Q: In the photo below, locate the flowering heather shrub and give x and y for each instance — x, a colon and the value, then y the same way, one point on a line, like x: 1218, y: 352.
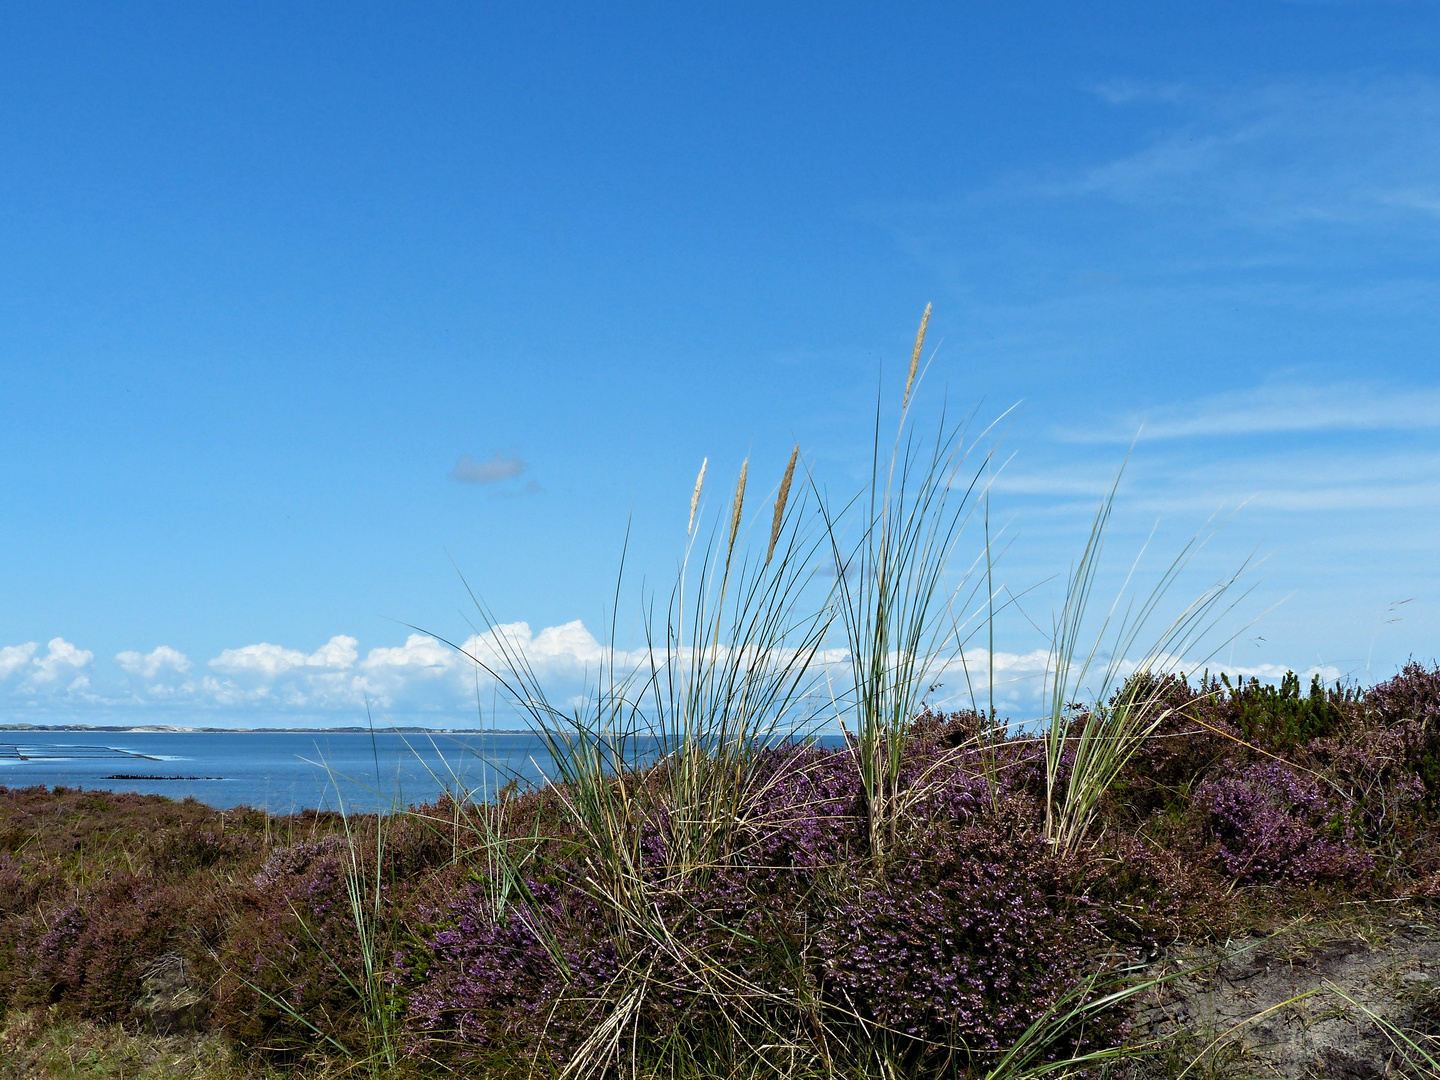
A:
x: 962, y: 941
x: 90, y: 913
x: 944, y: 951
x: 1273, y: 822
x: 1370, y: 768
x: 285, y: 862
x: 175, y: 853
x: 1187, y: 744
x: 489, y: 986
x: 1149, y: 896
x: 93, y: 954
x: 284, y: 946
x: 806, y: 814
x: 1414, y: 695
x: 20, y: 886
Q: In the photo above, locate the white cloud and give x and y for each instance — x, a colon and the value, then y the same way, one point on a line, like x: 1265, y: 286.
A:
x: 339, y: 652
x: 1277, y: 408
x: 426, y: 678
x: 268, y: 661
x: 1274, y: 672
x: 1126, y: 91
x: 149, y: 665
x: 15, y: 657
x: 61, y: 661
x: 570, y: 644
x: 497, y: 467
x: 422, y: 675
x: 1020, y: 678
x: 419, y: 653
x: 59, y: 672
x: 1286, y: 154
x: 279, y: 678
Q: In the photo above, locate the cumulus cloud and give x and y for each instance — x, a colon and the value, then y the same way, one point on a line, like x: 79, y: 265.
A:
x: 62, y: 661
x: 149, y: 665
x: 424, y: 677
x: 1328, y: 673
x: 569, y: 644
x: 14, y: 657
x: 59, y: 671
x: 268, y: 661
x: 499, y: 466
x: 1020, y: 678
x: 423, y: 672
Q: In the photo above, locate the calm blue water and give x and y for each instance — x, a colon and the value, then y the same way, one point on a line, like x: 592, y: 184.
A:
x: 278, y: 771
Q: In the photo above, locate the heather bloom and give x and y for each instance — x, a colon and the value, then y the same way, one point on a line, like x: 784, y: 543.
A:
x: 1274, y: 822
x: 937, y: 953
x: 962, y: 938
x: 490, y: 982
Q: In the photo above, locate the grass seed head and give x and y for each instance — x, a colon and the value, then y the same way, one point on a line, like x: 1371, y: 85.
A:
x: 780, y: 501
x: 915, y: 357
x: 738, y: 507
x: 695, y: 496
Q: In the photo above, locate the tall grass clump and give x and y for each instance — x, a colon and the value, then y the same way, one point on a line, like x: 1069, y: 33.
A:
x: 660, y: 766
x: 1085, y: 755
x: 891, y: 591
x: 718, y: 896
x: 363, y: 872
x: 359, y: 956
x: 726, y: 670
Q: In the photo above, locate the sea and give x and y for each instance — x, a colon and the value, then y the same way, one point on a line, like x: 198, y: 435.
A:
x: 283, y: 772
x: 279, y: 771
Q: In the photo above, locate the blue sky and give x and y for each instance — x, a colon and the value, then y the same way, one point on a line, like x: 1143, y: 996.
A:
x: 280, y: 285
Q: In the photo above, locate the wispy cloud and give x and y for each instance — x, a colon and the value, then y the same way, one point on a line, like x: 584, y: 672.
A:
x: 1273, y: 409
x: 499, y: 466
x: 1306, y: 479
x: 1286, y: 154
x: 1127, y: 91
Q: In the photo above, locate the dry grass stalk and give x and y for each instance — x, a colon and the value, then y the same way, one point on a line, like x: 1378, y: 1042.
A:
x: 737, y: 508
x: 695, y: 496
x: 780, y: 501
x: 915, y: 357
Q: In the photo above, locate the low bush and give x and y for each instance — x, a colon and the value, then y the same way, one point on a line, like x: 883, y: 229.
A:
x: 934, y: 955
x: 1273, y: 822
x: 1414, y: 695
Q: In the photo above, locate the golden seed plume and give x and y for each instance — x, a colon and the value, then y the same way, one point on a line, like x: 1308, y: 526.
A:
x: 739, y: 505
x: 695, y: 496
x: 915, y: 357
x: 780, y: 501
